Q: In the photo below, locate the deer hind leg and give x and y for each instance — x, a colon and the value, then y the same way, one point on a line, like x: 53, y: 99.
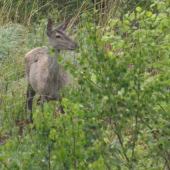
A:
x: 30, y: 97
x: 40, y: 101
x: 61, y: 108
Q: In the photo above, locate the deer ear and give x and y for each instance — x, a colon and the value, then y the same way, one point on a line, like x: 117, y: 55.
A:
x: 63, y: 26
x: 49, y: 27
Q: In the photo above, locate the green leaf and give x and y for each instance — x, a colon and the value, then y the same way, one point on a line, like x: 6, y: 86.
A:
x: 149, y: 13
x: 113, y: 23
x: 139, y: 9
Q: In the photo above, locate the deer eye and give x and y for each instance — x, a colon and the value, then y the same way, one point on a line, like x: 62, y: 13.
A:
x: 58, y: 36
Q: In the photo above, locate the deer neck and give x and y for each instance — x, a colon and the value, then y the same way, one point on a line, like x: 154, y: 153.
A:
x: 54, y: 67
x: 55, y: 56
x: 53, y: 59
x: 56, y: 73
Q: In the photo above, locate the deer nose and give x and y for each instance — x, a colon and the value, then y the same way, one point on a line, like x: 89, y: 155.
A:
x: 73, y: 46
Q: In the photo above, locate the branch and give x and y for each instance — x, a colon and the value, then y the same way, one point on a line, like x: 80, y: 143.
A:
x: 165, y: 164
x: 122, y: 145
x: 162, y: 108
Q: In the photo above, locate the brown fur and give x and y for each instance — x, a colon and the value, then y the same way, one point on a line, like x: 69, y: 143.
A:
x: 44, y: 75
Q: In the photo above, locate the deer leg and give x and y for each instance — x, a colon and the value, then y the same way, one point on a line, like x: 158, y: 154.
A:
x: 30, y: 96
x: 61, y: 108
x: 40, y: 101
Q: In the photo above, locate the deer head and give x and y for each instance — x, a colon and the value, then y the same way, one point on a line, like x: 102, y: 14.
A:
x: 57, y: 39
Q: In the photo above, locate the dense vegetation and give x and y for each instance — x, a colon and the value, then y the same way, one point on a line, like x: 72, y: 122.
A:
x: 118, y: 102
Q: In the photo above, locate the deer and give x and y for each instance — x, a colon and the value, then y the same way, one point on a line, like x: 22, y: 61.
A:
x: 44, y: 75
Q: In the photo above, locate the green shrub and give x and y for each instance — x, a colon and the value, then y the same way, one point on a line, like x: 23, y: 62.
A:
x: 118, y: 112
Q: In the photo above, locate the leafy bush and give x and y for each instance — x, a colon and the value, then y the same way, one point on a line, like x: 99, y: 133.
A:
x: 117, y: 113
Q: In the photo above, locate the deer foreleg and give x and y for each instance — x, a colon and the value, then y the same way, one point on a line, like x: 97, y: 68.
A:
x: 30, y: 97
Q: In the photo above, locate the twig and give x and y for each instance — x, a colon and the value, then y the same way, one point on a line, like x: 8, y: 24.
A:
x: 165, y: 164
x: 162, y: 108
x: 49, y: 152
x: 122, y: 145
